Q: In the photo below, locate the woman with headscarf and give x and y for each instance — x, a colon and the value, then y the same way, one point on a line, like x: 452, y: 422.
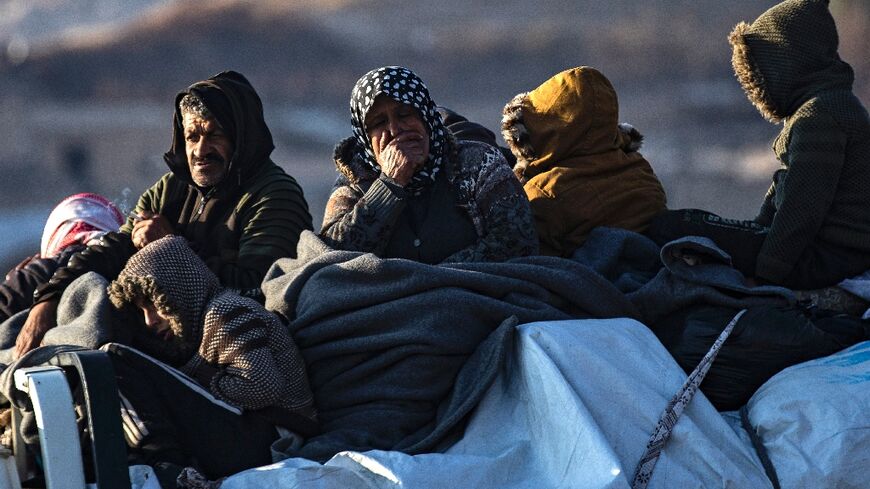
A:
x: 409, y: 189
x: 76, y: 221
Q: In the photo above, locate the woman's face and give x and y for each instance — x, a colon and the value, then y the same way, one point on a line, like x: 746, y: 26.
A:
x: 392, y: 124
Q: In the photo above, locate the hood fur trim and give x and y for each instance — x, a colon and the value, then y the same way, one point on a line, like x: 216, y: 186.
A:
x: 516, y: 135
x: 125, y: 291
x: 749, y: 76
x: 349, y: 163
x: 630, y: 139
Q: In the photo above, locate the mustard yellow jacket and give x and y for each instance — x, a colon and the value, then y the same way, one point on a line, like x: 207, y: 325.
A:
x: 579, y: 166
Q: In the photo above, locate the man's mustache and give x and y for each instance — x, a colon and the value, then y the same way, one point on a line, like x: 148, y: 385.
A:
x: 209, y: 158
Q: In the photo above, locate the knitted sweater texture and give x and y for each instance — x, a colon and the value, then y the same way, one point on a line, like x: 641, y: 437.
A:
x: 230, y: 344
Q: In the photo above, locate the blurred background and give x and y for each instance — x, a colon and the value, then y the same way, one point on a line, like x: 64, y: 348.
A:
x: 86, y: 86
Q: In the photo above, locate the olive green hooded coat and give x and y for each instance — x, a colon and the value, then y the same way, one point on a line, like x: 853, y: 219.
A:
x: 240, y: 226
x: 580, y: 168
x: 819, y: 203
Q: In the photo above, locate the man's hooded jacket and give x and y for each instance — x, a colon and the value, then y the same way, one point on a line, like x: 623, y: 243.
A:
x: 238, y: 227
x: 819, y: 202
x: 580, y: 168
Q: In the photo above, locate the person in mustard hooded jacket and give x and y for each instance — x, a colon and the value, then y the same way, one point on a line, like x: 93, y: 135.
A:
x: 580, y: 168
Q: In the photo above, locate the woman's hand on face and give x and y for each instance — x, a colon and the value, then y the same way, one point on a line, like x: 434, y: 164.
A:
x: 399, y: 138
x: 402, y: 157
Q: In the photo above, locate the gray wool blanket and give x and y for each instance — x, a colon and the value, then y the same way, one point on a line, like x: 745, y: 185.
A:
x: 398, y: 352
x: 84, y: 318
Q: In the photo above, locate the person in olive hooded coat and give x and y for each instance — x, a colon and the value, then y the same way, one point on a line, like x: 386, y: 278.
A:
x: 818, y: 207
x: 813, y: 229
x: 238, y: 209
x: 579, y: 167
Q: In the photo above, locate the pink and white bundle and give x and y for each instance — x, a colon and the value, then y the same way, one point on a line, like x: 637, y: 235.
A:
x: 79, y: 218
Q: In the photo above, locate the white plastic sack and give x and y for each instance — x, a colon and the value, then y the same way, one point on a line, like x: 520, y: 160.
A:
x: 574, y: 408
x: 814, y: 420
x: 143, y: 477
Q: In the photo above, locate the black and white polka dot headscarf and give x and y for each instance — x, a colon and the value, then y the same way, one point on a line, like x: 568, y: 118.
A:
x: 403, y: 86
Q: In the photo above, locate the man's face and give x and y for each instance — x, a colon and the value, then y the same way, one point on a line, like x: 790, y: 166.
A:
x: 208, y: 149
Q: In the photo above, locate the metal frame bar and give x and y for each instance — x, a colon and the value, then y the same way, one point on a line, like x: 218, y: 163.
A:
x: 103, y: 410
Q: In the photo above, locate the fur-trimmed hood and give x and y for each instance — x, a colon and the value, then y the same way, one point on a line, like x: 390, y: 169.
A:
x: 349, y: 162
x: 572, y: 115
x: 787, y: 55
x: 170, y: 275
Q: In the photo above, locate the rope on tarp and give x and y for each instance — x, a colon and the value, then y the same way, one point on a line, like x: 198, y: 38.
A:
x: 677, y: 404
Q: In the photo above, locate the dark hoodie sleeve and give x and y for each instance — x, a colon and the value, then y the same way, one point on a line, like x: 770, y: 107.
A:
x: 275, y: 215
x: 16, y: 293
x: 107, y: 258
x: 816, y: 152
x: 768, y: 208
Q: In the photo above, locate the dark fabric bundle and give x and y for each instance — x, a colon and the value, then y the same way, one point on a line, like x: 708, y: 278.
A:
x: 766, y: 340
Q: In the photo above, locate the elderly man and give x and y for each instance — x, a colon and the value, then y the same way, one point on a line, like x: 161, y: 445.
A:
x: 238, y: 210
